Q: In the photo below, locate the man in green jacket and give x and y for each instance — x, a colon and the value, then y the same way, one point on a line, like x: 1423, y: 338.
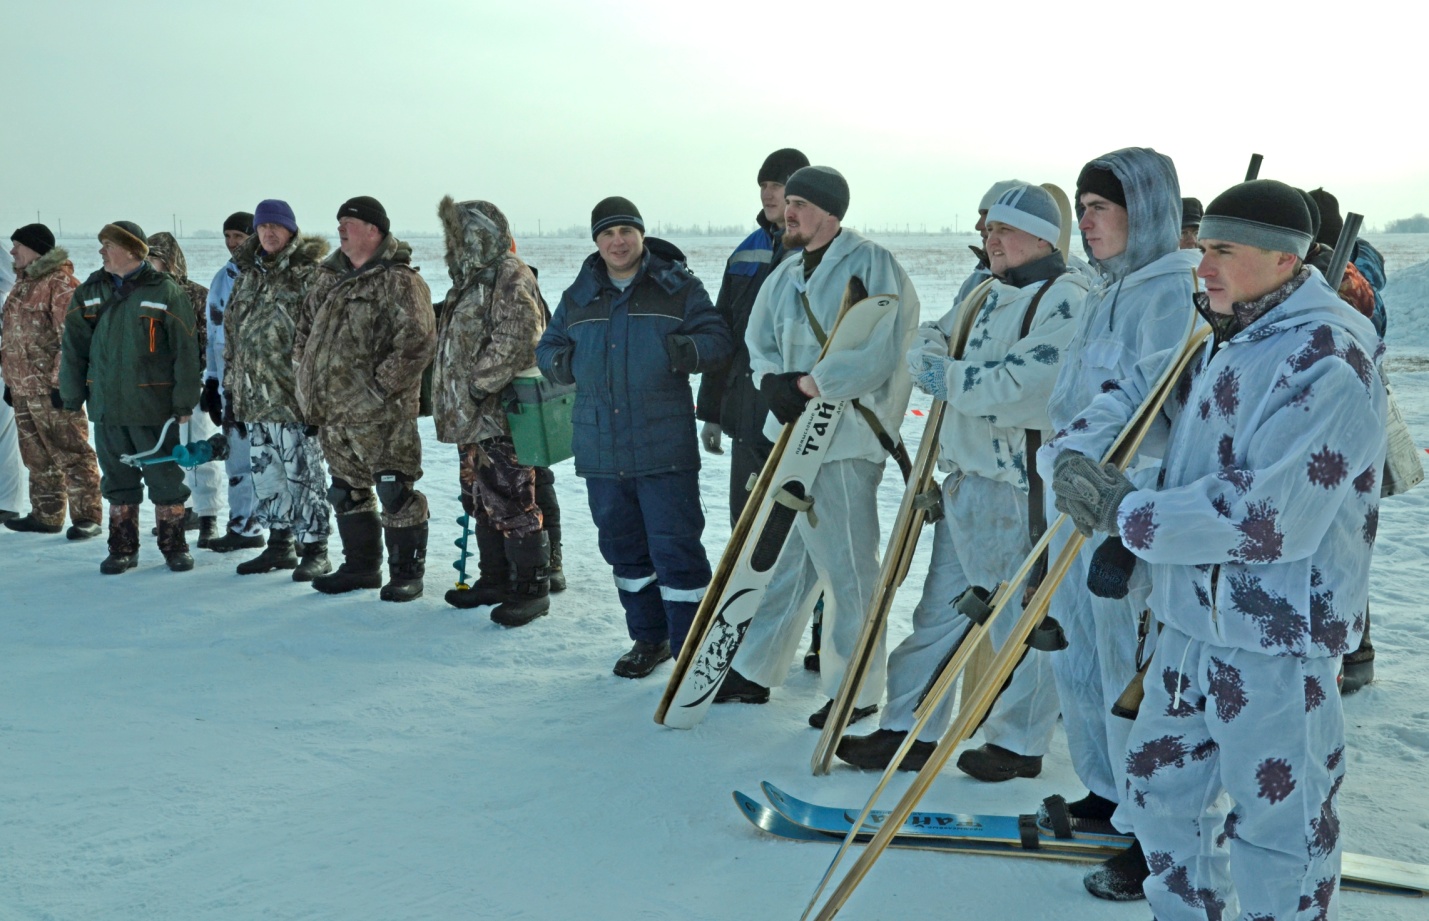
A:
x: 130, y: 352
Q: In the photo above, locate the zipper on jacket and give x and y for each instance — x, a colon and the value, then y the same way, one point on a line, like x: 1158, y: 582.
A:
x: 152, y: 345
x: 1215, y: 580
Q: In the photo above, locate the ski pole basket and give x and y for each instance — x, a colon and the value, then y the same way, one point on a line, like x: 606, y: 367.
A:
x: 539, y: 412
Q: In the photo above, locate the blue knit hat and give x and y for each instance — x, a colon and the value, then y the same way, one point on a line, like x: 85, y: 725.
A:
x: 275, y: 211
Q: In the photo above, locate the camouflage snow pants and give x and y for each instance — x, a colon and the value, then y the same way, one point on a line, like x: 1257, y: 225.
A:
x: 357, y: 453
x: 289, y: 480
x: 497, y: 489
x: 1261, y: 736
x: 63, y: 469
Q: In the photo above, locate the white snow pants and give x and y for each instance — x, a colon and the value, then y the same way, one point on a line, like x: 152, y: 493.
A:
x: 981, y: 540
x: 842, y: 552
x: 14, y: 478
x: 242, y: 502
x: 205, y: 482
x: 1269, y: 732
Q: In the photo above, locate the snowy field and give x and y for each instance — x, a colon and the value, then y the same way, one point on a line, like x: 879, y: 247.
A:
x: 208, y: 746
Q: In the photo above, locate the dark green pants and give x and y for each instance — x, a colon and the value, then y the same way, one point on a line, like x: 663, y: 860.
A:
x: 122, y: 484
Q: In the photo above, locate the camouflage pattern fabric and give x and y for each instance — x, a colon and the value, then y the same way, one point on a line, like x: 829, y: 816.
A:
x: 363, y: 339
x: 123, y: 529
x: 163, y: 246
x: 290, y: 480
x: 356, y: 453
x: 259, y: 325
x: 489, y: 323
x: 54, y: 444
x: 498, y: 489
x: 170, y: 521
x: 34, y: 317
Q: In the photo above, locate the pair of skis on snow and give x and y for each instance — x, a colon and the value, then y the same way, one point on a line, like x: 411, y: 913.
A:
x: 791, y: 818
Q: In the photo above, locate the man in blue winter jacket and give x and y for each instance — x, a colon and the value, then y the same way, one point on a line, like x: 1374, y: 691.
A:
x: 629, y: 332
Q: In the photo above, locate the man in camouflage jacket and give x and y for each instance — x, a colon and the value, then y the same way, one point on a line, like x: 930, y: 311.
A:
x: 490, y: 322
x: 278, y: 267
x: 54, y: 442
x: 366, y: 333
x: 130, y: 352
x: 205, y: 481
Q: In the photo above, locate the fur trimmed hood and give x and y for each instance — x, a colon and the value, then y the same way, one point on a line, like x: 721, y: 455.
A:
x: 303, y: 249
x: 477, y: 236
x: 44, y: 265
x: 163, y: 245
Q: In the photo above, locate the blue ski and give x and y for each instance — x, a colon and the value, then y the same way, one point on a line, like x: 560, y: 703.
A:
x: 796, y: 819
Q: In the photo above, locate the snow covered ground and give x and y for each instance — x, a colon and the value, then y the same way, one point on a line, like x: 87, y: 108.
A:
x: 209, y: 746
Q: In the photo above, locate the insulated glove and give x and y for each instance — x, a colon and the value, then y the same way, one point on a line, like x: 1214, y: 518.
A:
x: 781, y: 391
x: 212, y: 401
x: 684, y: 357
x: 709, y: 437
x: 1089, y: 493
x: 56, y: 400
x: 933, y: 379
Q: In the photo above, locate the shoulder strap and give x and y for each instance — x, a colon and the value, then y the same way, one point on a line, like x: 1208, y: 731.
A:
x: 1036, y: 503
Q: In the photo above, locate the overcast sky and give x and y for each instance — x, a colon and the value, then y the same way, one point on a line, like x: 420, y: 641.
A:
x: 143, y: 110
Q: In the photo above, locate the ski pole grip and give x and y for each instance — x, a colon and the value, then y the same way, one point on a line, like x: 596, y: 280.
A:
x: 1345, y: 245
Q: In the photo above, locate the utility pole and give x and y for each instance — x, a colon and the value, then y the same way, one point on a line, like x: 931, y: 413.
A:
x: 175, y: 218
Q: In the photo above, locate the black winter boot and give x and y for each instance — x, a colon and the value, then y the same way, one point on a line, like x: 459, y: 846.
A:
x: 1121, y: 878
x: 312, y: 562
x: 873, y: 752
x: 550, y: 508
x: 207, y: 530
x: 172, y: 543
x: 234, y: 539
x: 492, y: 584
x: 1357, y: 667
x: 123, y: 540
x: 529, y: 595
x: 361, y: 534
x: 279, y: 554
x: 406, y: 561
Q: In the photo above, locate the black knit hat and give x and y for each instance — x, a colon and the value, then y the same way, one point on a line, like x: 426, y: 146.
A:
x: 240, y: 221
x: 782, y: 164
x: 366, y: 208
x: 36, y: 237
x: 1331, y: 223
x: 1190, y: 212
x: 1314, y: 210
x: 613, y: 212
x: 127, y: 234
x: 1263, y: 213
x: 823, y: 186
x: 1100, y: 181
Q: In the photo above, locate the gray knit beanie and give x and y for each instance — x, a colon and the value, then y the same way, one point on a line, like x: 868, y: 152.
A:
x: 823, y: 186
x: 1030, y: 208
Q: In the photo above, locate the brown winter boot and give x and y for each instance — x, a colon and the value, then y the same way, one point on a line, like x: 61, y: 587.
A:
x: 170, y: 521
x: 123, y: 540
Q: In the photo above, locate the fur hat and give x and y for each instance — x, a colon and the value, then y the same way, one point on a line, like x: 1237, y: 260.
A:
x: 37, y: 237
x: 613, y: 212
x: 991, y: 196
x: 240, y: 221
x: 821, y: 185
x: 277, y: 211
x: 1099, y: 181
x: 1263, y: 213
x: 366, y: 208
x: 1030, y: 208
x: 782, y: 164
x: 126, y: 234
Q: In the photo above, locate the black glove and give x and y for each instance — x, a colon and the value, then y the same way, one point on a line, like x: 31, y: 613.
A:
x: 310, y: 431
x: 781, y: 391
x: 212, y: 401
x: 684, y: 357
x: 561, y: 372
x: 56, y: 400
x: 9, y: 400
